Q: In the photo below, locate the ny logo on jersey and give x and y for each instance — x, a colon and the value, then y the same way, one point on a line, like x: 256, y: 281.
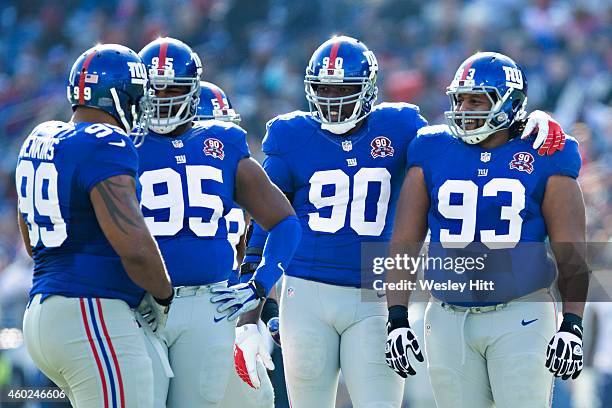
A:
x: 351, y: 162
x: 181, y: 159
x: 347, y: 145
x: 483, y: 172
x: 381, y: 147
x: 485, y: 157
x: 214, y: 147
x: 522, y: 161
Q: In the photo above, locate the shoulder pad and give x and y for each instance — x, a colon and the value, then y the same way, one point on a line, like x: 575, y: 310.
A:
x: 228, y: 130
x: 288, y: 131
x: 395, y: 106
x: 435, y: 130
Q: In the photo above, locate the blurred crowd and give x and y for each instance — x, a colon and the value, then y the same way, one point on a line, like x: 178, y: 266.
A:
x: 258, y: 50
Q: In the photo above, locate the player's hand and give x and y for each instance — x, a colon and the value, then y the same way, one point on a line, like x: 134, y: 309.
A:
x: 402, y: 348
x: 550, y: 137
x: 564, y: 354
x: 248, y: 349
x: 236, y: 300
x: 154, y: 311
x: 273, y: 327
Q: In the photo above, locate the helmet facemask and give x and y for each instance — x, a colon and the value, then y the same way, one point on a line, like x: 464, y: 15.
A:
x: 323, y: 107
x: 170, y: 112
x: 493, y: 119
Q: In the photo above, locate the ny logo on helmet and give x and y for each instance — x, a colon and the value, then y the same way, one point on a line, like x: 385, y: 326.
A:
x: 514, y: 77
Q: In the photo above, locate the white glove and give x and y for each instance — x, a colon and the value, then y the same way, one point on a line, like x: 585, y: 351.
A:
x: 248, y: 349
x: 550, y: 137
x: 154, y: 314
x: 402, y: 349
x: 564, y: 353
x: 236, y: 300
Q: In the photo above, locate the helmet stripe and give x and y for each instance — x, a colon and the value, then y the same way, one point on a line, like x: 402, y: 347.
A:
x: 219, y: 97
x: 332, y: 55
x: 163, y: 49
x: 84, y: 69
x: 466, y: 69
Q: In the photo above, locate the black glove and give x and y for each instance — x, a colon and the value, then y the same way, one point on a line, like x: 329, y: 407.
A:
x: 402, y: 346
x: 564, y: 353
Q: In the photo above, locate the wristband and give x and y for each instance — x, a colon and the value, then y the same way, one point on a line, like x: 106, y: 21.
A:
x: 270, y: 310
x: 165, y: 302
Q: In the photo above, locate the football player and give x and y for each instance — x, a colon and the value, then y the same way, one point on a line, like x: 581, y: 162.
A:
x: 93, y: 254
x: 215, y: 105
x: 191, y: 175
x: 487, y: 198
x: 341, y: 165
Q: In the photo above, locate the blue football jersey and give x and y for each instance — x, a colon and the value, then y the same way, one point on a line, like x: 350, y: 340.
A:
x: 485, y: 205
x: 187, y: 190
x: 344, y: 189
x: 59, y: 164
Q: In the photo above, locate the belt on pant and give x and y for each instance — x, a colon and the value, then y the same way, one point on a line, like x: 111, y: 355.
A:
x: 472, y: 309
x: 186, y: 291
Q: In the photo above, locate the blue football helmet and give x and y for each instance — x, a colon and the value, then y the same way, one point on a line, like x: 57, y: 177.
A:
x: 112, y: 78
x: 172, y: 63
x: 341, y: 61
x: 214, y: 104
x: 502, y: 81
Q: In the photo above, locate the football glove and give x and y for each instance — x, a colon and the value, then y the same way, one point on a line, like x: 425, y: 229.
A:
x: 402, y: 347
x: 238, y: 299
x: 273, y: 328
x: 550, y: 137
x: 564, y: 353
x: 155, y: 311
x: 248, y: 349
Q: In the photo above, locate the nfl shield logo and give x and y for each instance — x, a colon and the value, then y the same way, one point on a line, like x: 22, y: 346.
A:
x: 347, y: 145
x: 485, y: 157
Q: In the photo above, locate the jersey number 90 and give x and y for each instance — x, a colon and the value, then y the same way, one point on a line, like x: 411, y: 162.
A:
x: 339, y: 201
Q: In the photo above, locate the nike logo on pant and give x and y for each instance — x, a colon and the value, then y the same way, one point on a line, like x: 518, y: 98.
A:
x: 525, y: 323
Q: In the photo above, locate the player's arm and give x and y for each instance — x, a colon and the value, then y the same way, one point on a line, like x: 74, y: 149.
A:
x: 564, y: 214
x: 409, y: 230
x: 270, y: 208
x: 242, y: 243
x: 25, y: 233
x: 118, y: 212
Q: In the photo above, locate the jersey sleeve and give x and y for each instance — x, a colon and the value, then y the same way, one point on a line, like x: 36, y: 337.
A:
x: 568, y: 161
x: 425, y: 145
x: 419, y: 121
x: 240, y: 142
x: 111, y: 156
x: 275, y: 163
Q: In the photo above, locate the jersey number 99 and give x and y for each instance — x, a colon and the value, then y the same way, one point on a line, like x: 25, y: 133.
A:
x: 37, y: 194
